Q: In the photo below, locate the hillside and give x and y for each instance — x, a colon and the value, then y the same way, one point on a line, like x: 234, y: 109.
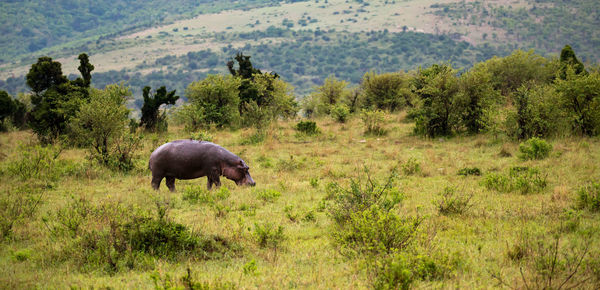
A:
x: 301, y: 41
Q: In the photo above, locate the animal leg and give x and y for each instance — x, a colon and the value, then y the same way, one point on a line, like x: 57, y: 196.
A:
x: 171, y: 183
x: 156, y: 182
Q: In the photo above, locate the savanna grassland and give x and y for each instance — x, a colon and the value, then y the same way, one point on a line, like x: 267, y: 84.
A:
x: 282, y: 233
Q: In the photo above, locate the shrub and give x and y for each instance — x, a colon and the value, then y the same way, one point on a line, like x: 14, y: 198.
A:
x: 325, y: 97
x: 475, y: 98
x: 588, y: 197
x: 101, y: 126
x: 362, y: 194
x: 254, y: 138
x: 523, y: 179
x: 268, y: 195
x: 536, y: 113
x: 401, y: 270
x: 452, y: 202
x: 307, y: 127
x: 547, y: 263
x: 411, y: 166
x: 469, y: 171
x: 580, y: 99
x: 340, y: 113
x: 212, y: 101
x: 387, y: 91
x: 111, y: 237
x: 35, y: 162
x: 436, y: 88
x: 375, y: 231
x: 199, y: 194
x: 373, y: 121
x: 534, y: 149
x: 267, y: 236
x: 18, y: 205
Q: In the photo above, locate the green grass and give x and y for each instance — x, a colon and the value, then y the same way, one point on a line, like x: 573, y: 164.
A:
x: 478, y: 242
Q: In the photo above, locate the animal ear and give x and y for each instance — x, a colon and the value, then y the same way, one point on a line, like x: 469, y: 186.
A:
x: 241, y: 162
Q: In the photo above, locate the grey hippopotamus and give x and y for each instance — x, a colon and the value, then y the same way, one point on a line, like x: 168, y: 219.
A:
x: 189, y: 159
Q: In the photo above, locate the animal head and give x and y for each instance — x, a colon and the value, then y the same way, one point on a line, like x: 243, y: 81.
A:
x: 240, y: 173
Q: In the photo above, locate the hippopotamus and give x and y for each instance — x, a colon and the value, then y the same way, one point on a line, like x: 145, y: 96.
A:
x: 189, y: 159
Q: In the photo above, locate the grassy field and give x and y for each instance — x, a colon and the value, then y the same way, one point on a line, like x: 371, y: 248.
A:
x: 293, y: 173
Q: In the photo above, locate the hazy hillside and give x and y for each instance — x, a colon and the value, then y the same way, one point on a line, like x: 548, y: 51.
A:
x: 303, y: 41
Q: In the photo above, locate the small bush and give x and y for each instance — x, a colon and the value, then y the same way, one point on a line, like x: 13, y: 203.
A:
x: 452, y: 202
x: 411, y: 166
x: 18, y: 205
x: 200, y: 195
x: 202, y: 136
x: 340, y: 112
x: 375, y: 231
x: 401, y: 270
x: 267, y: 235
x: 268, y: 195
x: 523, y: 179
x: 314, y: 182
x: 534, y: 149
x: 290, y: 164
x: 588, y: 197
x: 545, y: 262
x: 255, y: 138
x: 469, y: 171
x: 34, y: 162
x: 373, y: 121
x: 363, y: 193
x: 307, y: 128
x: 111, y: 237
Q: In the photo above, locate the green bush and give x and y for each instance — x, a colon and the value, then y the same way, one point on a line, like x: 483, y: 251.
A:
x: 254, y: 138
x: 452, y: 202
x: 534, y: 149
x: 375, y: 231
x: 18, y: 205
x: 268, y: 195
x: 34, y: 162
x: 363, y: 193
x: 267, y: 235
x: 386, y: 91
x: 111, y: 237
x: 401, y: 270
x: 373, y: 121
x: 411, y: 166
x: 536, y: 113
x: 307, y: 128
x: 523, y: 179
x: 340, y: 112
x: 200, y: 195
x: 588, y: 197
x: 469, y: 171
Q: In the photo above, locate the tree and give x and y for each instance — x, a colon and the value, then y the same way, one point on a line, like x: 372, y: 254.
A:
x: 7, y: 107
x: 568, y: 59
x: 580, y: 97
x: 213, y: 101
x: 55, y: 99
x: 474, y: 98
x: 101, y: 126
x: 326, y: 96
x: 436, y: 88
x: 151, y: 119
x: 387, y: 91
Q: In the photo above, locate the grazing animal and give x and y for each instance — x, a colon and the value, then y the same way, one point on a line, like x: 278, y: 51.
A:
x: 189, y: 159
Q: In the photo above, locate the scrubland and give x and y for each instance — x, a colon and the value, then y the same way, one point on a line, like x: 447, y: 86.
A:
x: 504, y: 221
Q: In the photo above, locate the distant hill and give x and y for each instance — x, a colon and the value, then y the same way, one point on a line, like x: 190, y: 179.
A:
x: 176, y: 42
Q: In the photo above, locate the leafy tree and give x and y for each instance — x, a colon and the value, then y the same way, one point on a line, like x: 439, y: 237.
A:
x: 151, y: 119
x: 325, y: 97
x: 55, y: 99
x: 475, y: 97
x: 7, y: 107
x: 246, y: 72
x: 568, y: 59
x: 277, y: 101
x: 580, y: 97
x: 510, y: 72
x: 436, y: 88
x: 101, y: 126
x: 536, y: 113
x: 389, y: 91
x: 213, y: 101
